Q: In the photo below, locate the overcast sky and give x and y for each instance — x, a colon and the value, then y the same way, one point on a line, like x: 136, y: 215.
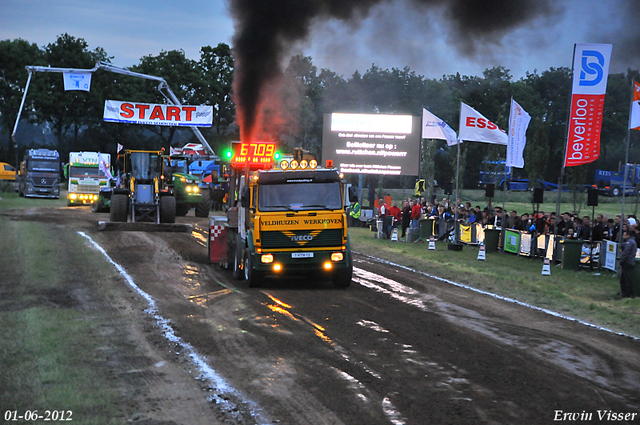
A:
x: 392, y: 34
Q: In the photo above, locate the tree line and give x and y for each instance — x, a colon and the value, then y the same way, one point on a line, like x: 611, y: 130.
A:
x: 306, y: 93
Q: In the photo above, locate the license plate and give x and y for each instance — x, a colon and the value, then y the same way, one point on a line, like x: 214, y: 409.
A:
x: 302, y: 255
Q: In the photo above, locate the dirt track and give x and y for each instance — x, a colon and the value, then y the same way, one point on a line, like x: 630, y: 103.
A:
x: 396, y: 347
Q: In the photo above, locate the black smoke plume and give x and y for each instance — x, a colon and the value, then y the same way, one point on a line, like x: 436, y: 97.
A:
x: 265, y: 30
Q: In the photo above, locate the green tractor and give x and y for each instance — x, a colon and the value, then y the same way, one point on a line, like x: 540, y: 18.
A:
x: 185, y: 187
x: 141, y: 196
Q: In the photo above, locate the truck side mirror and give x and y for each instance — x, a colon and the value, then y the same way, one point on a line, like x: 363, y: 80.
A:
x: 353, y: 197
x: 245, y: 199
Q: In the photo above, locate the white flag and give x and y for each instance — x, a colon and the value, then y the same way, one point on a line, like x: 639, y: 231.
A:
x: 104, y: 166
x: 434, y: 128
x: 474, y: 127
x: 119, y: 148
x: 174, y: 151
x: 77, y: 80
x: 518, y: 123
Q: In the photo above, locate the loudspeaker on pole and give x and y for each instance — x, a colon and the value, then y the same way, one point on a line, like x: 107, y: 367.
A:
x: 592, y: 197
x: 489, y: 190
x: 538, y: 195
x: 448, y: 188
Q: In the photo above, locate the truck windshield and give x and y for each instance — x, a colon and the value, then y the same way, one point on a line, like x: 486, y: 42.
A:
x: 144, y: 165
x: 299, y: 196
x: 83, y: 172
x: 44, y: 165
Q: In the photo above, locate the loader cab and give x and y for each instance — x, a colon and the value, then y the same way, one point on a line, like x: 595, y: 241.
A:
x: 143, y: 166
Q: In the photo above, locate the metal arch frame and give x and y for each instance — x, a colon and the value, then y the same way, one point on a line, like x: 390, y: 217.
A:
x: 111, y: 68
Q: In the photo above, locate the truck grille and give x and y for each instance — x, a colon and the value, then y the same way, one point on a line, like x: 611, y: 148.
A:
x: 89, y: 188
x: 44, y: 181
x: 298, y: 239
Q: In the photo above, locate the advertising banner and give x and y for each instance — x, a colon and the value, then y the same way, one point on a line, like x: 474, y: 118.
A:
x: 591, y: 69
x: 518, y: 123
x: 609, y: 253
x: 372, y: 143
x: 474, y: 127
x: 512, y: 241
x: 465, y: 233
x: 157, y: 114
x: 634, y: 122
x: 525, y: 244
x: 77, y: 81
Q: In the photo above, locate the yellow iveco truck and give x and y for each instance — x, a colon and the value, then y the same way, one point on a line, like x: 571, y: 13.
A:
x: 290, y: 218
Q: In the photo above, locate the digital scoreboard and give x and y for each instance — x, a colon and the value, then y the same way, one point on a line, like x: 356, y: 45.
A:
x: 372, y: 143
x: 256, y: 155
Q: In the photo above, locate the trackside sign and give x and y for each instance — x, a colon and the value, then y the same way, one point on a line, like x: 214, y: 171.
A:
x: 591, y: 68
x: 156, y: 114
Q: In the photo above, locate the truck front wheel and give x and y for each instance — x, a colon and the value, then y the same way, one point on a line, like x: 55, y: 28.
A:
x: 253, y: 277
x: 342, y: 277
x: 119, y: 208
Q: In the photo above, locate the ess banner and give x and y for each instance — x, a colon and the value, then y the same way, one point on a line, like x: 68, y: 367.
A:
x: 152, y: 114
x: 474, y: 127
x: 591, y: 69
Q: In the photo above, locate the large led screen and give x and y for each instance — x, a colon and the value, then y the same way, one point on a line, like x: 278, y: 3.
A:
x: 372, y: 143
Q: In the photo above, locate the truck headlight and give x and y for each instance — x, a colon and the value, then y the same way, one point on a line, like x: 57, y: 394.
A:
x: 337, y: 256
x: 327, y: 265
x: 267, y: 258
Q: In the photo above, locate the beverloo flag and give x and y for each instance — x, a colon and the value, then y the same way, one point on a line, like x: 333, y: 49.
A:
x: 474, y: 127
x: 518, y: 123
x: 434, y: 128
x: 77, y: 80
x: 587, y: 102
x: 635, y: 108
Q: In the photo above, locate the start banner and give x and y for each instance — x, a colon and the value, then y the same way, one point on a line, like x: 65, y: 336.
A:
x: 591, y: 69
x: 156, y: 114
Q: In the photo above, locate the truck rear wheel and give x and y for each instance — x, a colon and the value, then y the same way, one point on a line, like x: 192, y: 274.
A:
x: 119, y: 207
x: 203, y: 208
x: 167, y: 209
x: 253, y: 277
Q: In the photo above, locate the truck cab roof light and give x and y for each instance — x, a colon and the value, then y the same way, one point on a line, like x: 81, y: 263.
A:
x: 294, y: 164
x: 284, y: 164
x: 313, y: 164
x: 304, y: 164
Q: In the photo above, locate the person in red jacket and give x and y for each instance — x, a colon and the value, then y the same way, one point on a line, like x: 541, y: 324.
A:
x: 416, y: 212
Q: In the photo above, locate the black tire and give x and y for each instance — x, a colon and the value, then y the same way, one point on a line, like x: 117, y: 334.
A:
x: 167, y: 209
x: 253, y: 277
x: 238, y: 274
x: 96, y: 206
x: 203, y: 208
x: 342, y: 277
x: 182, y: 209
x: 119, y: 208
x: 616, y: 191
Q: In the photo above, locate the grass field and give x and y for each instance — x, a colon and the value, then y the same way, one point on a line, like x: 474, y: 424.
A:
x: 52, y: 352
